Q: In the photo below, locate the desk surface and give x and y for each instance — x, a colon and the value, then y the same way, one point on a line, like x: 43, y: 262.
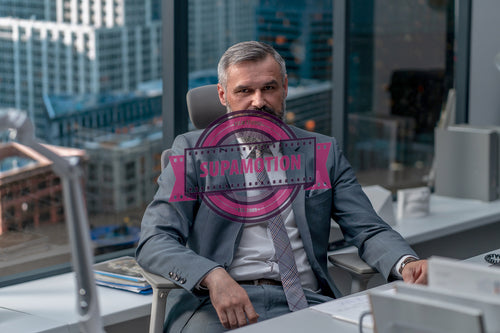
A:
x: 51, y: 302
x: 479, y: 259
x: 447, y: 216
x: 309, y: 320
x: 23, y: 322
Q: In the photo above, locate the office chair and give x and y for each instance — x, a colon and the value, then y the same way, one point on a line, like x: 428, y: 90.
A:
x: 358, y: 270
x: 204, y: 107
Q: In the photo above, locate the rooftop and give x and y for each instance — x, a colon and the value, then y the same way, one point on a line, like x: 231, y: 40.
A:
x: 60, y: 105
x: 15, y: 157
x: 95, y: 139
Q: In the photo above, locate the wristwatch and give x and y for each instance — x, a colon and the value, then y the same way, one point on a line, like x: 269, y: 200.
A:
x: 406, y: 262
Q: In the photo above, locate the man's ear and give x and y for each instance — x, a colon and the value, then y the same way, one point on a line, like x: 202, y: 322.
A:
x: 222, y: 94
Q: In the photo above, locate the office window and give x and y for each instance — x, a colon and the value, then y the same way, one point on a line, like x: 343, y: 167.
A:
x: 92, y: 75
x: 400, y: 68
x: 301, y: 31
x: 129, y: 170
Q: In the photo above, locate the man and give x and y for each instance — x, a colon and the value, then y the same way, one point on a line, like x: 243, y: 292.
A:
x: 229, y: 273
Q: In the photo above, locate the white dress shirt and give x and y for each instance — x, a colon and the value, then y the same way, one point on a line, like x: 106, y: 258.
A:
x: 255, y: 257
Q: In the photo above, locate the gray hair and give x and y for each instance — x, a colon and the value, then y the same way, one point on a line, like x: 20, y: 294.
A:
x: 247, y: 51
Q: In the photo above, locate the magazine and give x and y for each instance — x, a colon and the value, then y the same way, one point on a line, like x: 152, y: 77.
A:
x: 121, y: 273
x: 112, y: 279
x: 139, y: 290
x: 122, y: 267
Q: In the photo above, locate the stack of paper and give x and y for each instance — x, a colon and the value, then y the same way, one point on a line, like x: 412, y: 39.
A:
x: 121, y: 273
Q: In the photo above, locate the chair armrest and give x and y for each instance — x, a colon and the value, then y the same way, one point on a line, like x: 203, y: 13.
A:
x: 161, y: 287
x: 359, y: 271
x: 351, y: 262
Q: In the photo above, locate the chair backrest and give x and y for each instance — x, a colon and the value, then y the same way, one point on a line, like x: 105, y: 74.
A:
x: 204, y: 105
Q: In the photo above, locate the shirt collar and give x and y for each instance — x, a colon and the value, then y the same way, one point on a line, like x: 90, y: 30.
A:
x: 246, y: 149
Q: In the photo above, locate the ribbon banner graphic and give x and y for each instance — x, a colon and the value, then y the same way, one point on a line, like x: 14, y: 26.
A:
x: 216, y: 162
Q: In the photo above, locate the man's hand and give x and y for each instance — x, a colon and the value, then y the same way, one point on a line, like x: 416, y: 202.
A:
x: 229, y: 299
x: 415, y: 272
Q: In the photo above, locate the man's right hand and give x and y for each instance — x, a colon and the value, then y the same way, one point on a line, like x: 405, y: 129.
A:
x: 229, y: 299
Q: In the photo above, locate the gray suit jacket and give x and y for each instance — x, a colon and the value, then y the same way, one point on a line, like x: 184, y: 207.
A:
x: 184, y: 240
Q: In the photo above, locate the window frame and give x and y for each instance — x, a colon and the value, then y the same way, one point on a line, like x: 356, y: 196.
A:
x: 175, y: 85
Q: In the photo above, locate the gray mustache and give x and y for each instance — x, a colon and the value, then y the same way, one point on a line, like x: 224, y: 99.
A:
x: 266, y: 109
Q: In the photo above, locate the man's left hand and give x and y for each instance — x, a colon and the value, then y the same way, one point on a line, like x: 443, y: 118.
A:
x: 415, y: 272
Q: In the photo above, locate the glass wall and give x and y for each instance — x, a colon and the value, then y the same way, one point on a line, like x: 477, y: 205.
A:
x: 400, y: 68
x: 301, y: 30
x: 89, y: 77
x: 91, y: 81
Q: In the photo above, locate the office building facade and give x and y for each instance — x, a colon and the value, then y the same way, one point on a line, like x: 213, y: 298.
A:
x: 75, y: 47
x: 214, y: 25
x: 31, y: 193
x: 113, y: 112
x: 308, y: 106
x: 123, y: 168
x: 301, y: 31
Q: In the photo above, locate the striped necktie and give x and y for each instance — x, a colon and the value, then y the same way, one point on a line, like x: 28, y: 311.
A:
x: 284, y: 254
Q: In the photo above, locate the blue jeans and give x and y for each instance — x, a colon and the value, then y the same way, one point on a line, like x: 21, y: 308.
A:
x: 268, y: 301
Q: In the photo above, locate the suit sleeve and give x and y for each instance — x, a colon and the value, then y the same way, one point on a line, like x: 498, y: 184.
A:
x: 165, y: 229
x: 378, y: 244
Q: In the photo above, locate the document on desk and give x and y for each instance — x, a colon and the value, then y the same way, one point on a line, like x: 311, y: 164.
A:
x: 350, y: 309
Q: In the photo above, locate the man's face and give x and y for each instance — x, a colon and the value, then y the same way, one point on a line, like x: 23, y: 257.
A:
x: 255, y: 86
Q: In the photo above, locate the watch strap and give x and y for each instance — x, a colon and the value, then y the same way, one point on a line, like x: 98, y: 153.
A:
x: 406, y: 262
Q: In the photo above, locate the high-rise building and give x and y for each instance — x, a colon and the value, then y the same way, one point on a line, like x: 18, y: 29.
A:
x: 301, y: 31
x: 308, y: 106
x: 215, y: 25
x: 122, y: 168
x: 109, y: 13
x: 75, y: 47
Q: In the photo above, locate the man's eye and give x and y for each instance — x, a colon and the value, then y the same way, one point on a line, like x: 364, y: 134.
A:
x: 243, y: 91
x: 268, y: 88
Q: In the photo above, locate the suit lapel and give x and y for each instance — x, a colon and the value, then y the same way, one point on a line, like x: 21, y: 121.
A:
x: 298, y: 204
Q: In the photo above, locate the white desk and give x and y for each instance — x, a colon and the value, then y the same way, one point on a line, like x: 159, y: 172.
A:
x: 479, y: 259
x: 455, y: 228
x: 14, y: 321
x: 447, y: 216
x: 311, y: 320
x: 471, y: 224
x: 308, y: 320
x: 51, y: 305
x: 50, y: 302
